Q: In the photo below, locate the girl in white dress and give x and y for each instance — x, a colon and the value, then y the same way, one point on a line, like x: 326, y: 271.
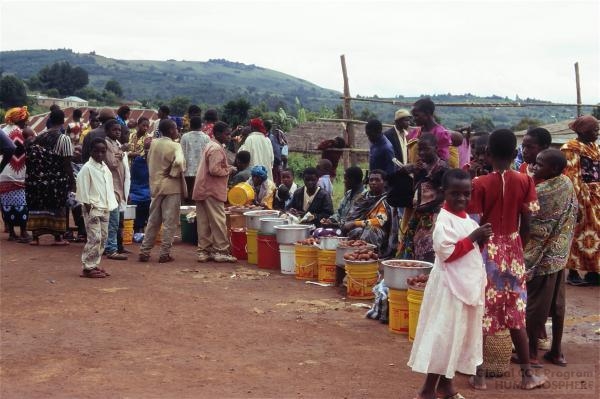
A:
x: 449, y: 333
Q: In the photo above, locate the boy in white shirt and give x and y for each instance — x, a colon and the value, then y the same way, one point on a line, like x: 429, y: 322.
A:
x: 95, y: 191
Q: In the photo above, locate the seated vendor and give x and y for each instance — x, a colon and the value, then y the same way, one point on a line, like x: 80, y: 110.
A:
x: 353, y: 184
x: 310, y: 202
x: 372, y: 218
x: 264, y: 188
x: 242, y: 163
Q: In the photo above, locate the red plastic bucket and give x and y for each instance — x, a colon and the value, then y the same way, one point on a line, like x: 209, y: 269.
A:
x: 237, y: 238
x: 268, y: 252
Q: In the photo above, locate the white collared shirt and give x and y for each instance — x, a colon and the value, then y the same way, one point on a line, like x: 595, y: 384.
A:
x: 95, y: 186
x: 402, y: 139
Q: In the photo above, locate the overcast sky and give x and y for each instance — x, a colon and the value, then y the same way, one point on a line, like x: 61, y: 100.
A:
x: 485, y: 47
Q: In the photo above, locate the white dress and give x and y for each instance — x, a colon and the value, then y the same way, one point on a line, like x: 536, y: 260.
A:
x: 449, y: 335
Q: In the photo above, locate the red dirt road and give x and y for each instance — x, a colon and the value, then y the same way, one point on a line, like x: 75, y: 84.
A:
x: 190, y: 330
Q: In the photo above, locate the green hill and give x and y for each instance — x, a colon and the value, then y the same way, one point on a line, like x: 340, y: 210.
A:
x: 214, y: 82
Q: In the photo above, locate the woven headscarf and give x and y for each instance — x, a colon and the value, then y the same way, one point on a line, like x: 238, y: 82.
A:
x: 583, y: 124
x: 257, y: 125
x: 259, y: 171
x: 15, y: 115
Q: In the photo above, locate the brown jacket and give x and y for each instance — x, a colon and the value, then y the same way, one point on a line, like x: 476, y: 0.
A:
x: 166, y: 165
x: 213, y: 173
x: 114, y: 161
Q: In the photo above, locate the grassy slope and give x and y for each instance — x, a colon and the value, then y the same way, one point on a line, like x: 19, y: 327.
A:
x: 216, y: 82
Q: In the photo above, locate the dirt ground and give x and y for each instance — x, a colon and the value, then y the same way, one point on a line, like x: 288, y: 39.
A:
x: 190, y: 330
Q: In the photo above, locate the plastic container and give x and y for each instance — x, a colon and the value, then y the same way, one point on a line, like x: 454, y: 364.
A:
x: 362, y: 277
x: 326, y: 264
x: 291, y: 233
x: 330, y: 243
x: 399, y: 312
x: 268, y: 252
x: 414, y: 298
x: 127, y: 231
x: 396, y: 271
x: 253, y: 218
x: 185, y: 209
x: 238, y: 241
x: 252, y: 246
x: 287, y: 258
x: 341, y: 251
x: 306, y: 262
x: 189, y: 231
x: 240, y: 194
x: 129, y: 213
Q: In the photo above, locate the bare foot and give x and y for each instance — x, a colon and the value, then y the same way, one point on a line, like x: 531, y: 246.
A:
x: 477, y: 383
x: 533, y: 382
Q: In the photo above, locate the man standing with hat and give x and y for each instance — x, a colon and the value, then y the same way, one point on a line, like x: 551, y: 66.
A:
x: 397, y: 134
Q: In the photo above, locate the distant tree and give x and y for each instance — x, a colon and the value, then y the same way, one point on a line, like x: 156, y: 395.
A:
x: 115, y: 87
x: 235, y: 112
x: 366, y: 114
x: 12, y: 92
x: 482, y: 124
x: 63, y: 77
x: 33, y: 83
x: 596, y: 111
x: 526, y: 123
x: 89, y: 93
x: 179, y: 105
x: 54, y: 93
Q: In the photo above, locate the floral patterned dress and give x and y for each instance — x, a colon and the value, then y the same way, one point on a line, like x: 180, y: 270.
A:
x: 583, y: 168
x: 500, y: 198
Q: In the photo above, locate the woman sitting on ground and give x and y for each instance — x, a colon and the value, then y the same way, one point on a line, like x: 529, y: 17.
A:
x: 372, y: 218
x: 264, y: 188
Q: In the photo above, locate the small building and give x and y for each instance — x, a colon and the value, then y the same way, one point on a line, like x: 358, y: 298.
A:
x: 559, y: 131
x: 71, y: 101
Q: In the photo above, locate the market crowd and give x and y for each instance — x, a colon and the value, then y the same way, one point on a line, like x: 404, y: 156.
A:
x: 504, y: 224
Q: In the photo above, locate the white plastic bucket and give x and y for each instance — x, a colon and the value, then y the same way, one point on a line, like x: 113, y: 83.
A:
x: 288, y: 258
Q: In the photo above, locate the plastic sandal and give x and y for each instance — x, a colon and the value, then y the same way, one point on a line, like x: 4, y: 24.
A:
x: 93, y: 273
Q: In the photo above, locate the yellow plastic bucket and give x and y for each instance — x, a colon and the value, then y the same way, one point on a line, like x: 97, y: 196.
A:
x: 414, y: 298
x: 127, y: 231
x: 252, y: 245
x: 326, y: 263
x: 362, y: 276
x: 398, y: 319
x: 306, y: 262
x: 240, y: 194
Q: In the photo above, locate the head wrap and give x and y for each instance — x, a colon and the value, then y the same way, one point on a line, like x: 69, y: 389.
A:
x: 257, y: 125
x: 15, y: 115
x: 259, y: 171
x: 401, y: 113
x: 583, y: 124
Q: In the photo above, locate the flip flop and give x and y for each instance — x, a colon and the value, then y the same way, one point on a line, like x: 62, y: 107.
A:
x: 556, y: 360
x: 533, y: 385
x: 93, y: 273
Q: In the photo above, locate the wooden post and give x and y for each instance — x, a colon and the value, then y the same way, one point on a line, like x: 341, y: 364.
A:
x: 578, y: 89
x: 347, y: 110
